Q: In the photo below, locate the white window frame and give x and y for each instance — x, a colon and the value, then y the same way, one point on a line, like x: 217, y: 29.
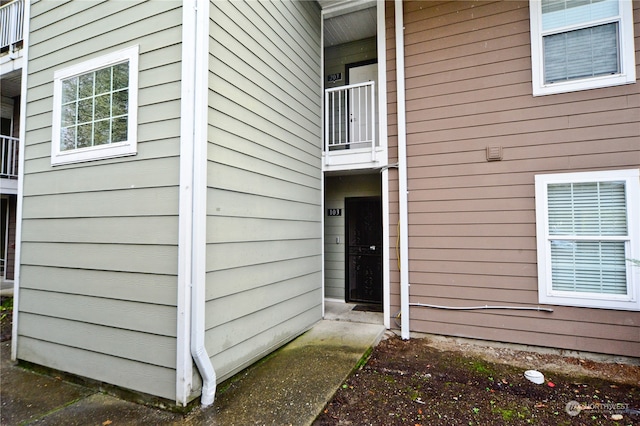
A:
x: 546, y: 295
x: 119, y: 149
x: 627, y: 73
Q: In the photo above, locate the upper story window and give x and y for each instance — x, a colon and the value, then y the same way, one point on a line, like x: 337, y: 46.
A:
x: 95, y: 109
x: 581, y: 44
x: 588, y: 232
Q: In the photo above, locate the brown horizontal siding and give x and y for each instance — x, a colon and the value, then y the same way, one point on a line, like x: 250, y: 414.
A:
x: 472, y: 235
x: 441, y: 322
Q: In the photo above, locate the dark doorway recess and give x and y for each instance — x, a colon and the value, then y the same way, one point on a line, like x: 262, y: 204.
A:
x: 364, y: 250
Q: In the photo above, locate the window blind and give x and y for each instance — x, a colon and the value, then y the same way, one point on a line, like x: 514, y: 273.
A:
x: 587, y: 52
x: 565, y: 13
x: 579, y: 215
x: 590, y: 51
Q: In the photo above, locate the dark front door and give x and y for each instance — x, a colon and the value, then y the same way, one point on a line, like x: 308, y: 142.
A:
x: 364, y: 250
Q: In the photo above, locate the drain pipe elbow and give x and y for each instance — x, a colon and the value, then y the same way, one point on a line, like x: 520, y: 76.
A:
x: 207, y: 373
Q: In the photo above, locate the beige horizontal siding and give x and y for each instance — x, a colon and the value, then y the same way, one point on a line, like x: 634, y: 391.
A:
x: 138, y: 376
x: 109, y: 230
x: 110, y: 257
x: 141, y: 202
x: 105, y: 340
x: 472, y: 232
x: 243, y: 354
x: 135, y: 287
x: 234, y: 229
x: 104, y: 177
x: 99, y: 239
x: 264, y: 179
x: 252, y: 205
x: 241, y: 254
x: 141, y: 317
x: 263, y: 161
x: 259, y: 275
x: 245, y: 181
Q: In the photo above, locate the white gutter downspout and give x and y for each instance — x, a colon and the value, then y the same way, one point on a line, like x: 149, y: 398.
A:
x: 193, y: 192
x: 21, y: 161
x: 402, y: 173
x: 382, y: 132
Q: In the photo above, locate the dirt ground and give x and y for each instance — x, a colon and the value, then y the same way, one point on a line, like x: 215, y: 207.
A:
x: 426, y: 381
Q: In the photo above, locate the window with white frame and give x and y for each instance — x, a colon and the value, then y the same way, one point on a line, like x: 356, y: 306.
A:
x: 95, y: 108
x: 588, y: 233
x: 581, y: 44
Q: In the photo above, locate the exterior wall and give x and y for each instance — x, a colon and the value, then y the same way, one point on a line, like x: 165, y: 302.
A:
x: 6, y: 110
x: 10, y: 265
x: 337, y: 188
x: 336, y: 58
x: 264, y: 179
x: 472, y: 222
x: 99, y: 239
x: 16, y: 116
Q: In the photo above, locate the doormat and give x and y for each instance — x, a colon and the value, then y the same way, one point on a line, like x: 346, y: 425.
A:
x: 367, y: 308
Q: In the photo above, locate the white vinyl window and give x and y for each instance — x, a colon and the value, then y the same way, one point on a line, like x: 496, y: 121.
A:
x: 95, y: 108
x: 588, y: 232
x: 581, y: 44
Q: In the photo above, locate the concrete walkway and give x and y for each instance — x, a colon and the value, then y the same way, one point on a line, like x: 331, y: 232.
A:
x: 6, y: 287
x: 290, y: 387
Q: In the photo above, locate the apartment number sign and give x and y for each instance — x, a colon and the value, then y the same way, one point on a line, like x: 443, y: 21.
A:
x: 332, y: 78
x: 334, y: 212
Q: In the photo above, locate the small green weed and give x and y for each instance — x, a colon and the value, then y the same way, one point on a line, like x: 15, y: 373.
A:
x: 6, y: 307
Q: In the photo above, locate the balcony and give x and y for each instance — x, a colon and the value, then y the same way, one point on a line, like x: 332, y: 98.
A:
x: 9, y: 164
x: 350, y: 139
x: 11, y: 25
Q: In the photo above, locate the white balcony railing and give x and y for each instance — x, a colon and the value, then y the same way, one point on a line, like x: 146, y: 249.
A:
x: 9, y: 157
x: 350, y: 120
x: 11, y: 24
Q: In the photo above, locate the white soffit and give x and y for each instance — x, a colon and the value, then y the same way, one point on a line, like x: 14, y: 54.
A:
x: 11, y: 83
x: 346, y: 21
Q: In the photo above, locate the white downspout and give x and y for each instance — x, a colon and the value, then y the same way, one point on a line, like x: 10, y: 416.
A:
x: 382, y: 137
x: 198, y: 291
x: 324, y: 143
x: 402, y: 173
x: 193, y: 202
x: 21, y: 161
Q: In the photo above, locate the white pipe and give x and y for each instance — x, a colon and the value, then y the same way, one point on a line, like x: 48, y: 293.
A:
x: 473, y: 308
x: 324, y: 119
x: 184, y: 364
x: 402, y: 173
x: 21, y: 161
x: 193, y: 192
x: 198, y: 292
x: 382, y: 138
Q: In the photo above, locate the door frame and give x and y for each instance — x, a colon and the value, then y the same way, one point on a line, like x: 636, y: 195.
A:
x: 347, y: 67
x: 347, y: 287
